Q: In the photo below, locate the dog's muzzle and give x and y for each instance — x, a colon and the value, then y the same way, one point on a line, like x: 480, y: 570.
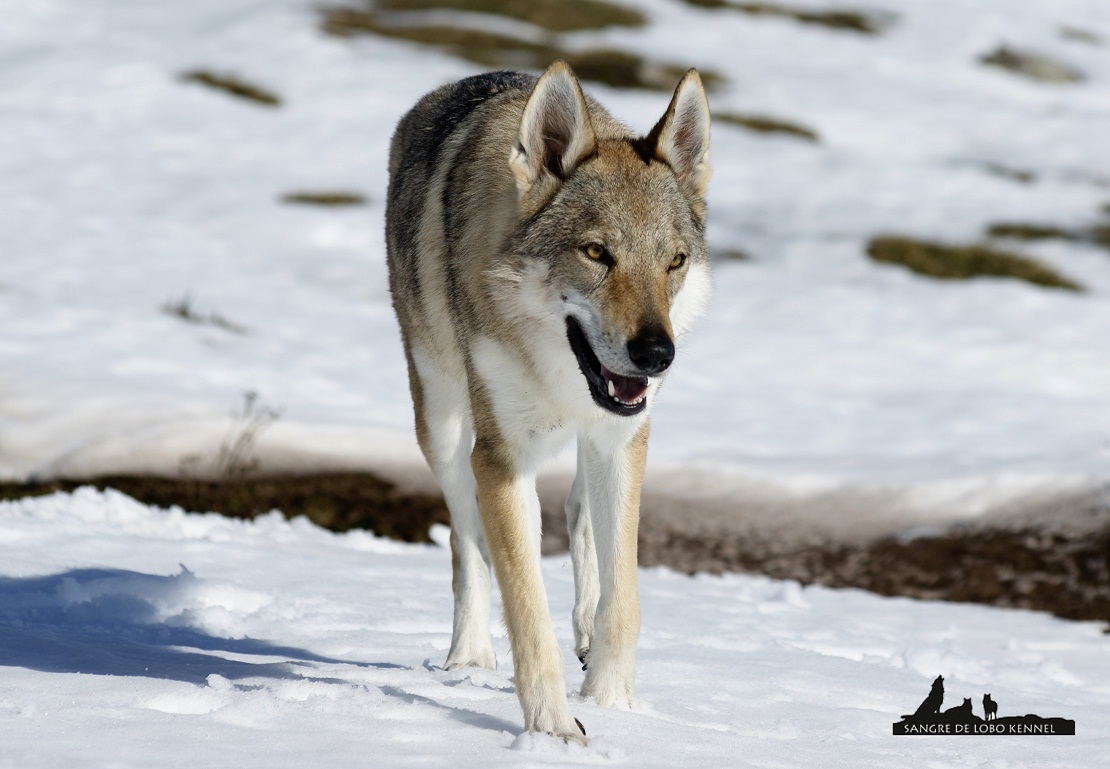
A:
x: 625, y: 395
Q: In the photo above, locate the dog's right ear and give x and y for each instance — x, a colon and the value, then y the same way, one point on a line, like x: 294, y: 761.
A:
x: 555, y: 133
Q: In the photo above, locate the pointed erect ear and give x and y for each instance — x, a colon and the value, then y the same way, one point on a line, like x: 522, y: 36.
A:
x: 681, y: 137
x: 555, y: 133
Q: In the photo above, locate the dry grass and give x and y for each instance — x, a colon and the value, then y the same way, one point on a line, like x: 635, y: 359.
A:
x: 947, y: 262
x: 498, y: 50
x: 1098, y: 235
x: 731, y: 255
x: 183, y: 308
x: 1034, y: 66
x: 834, y: 18
x: 553, y: 15
x: 233, y: 85
x: 764, y: 124
x: 329, y: 198
x: 1082, y: 35
x: 1019, y: 175
x: 1022, y: 231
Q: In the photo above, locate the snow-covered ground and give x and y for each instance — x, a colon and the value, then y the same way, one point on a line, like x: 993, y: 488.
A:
x: 132, y: 637
x: 126, y: 188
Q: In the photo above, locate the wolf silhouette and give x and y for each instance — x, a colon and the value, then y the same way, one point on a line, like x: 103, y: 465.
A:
x: 931, y: 704
x: 990, y: 708
x: 959, y: 714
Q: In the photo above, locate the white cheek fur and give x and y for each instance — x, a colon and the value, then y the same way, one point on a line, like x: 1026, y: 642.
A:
x: 691, y: 299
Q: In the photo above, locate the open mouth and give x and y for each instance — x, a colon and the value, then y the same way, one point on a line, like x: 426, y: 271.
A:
x: 626, y: 395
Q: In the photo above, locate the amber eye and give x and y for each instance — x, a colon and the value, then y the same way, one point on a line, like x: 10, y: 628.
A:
x: 678, y: 261
x: 594, y: 250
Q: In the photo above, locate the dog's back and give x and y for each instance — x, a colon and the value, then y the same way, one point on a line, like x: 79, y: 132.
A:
x: 424, y: 148
x: 428, y: 138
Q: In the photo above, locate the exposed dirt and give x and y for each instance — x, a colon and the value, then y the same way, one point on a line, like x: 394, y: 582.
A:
x: 336, y: 501
x: 1058, y: 569
x: 1025, y: 568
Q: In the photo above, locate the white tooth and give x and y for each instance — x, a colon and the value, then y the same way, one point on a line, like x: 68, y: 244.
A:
x: 612, y: 389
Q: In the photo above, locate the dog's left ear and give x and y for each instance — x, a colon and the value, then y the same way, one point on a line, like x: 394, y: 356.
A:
x: 681, y: 137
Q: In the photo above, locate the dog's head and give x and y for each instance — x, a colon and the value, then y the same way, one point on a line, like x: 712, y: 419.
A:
x: 618, y: 224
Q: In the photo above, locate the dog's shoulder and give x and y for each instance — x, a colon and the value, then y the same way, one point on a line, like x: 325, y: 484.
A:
x: 423, y: 131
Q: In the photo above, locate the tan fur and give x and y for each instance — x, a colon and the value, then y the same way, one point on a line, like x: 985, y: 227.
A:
x: 501, y: 186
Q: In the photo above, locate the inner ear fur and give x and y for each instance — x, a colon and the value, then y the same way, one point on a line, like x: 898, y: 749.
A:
x: 555, y: 133
x: 681, y: 137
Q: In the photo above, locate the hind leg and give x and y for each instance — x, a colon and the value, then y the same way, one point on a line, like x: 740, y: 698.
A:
x: 443, y: 427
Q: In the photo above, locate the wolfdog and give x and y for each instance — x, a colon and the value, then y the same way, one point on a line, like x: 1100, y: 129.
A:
x: 543, y: 259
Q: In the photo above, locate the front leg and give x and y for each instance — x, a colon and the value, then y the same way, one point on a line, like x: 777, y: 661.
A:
x: 615, y: 471
x: 510, y: 514
x: 583, y: 555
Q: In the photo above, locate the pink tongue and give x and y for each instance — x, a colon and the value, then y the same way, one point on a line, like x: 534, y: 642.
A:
x: 626, y: 389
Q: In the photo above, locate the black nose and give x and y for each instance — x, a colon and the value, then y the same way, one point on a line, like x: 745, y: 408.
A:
x: 651, y: 352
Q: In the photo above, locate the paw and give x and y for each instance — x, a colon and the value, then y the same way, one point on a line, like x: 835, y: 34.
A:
x: 471, y: 658
x: 552, y: 716
x: 582, y: 658
x: 608, y: 686
x: 575, y: 736
x: 536, y: 741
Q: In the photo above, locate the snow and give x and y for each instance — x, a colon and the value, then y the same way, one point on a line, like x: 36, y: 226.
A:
x: 126, y: 189
x: 137, y: 637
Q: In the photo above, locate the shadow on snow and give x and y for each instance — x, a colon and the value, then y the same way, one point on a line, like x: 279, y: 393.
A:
x: 125, y: 623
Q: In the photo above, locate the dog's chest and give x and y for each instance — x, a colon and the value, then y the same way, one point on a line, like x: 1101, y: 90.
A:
x: 537, y: 395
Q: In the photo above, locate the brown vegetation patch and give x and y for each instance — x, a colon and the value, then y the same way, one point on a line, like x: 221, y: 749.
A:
x: 1081, y: 35
x: 233, y: 85
x: 833, y: 18
x: 1022, y: 231
x: 612, y: 67
x: 1098, y: 235
x: 731, y: 255
x: 947, y: 262
x: 1032, y: 65
x: 336, y: 501
x: 766, y: 125
x: 1019, y: 175
x: 331, y: 198
x: 554, y: 15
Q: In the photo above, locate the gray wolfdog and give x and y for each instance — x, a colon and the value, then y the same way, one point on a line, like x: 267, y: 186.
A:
x: 542, y: 260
